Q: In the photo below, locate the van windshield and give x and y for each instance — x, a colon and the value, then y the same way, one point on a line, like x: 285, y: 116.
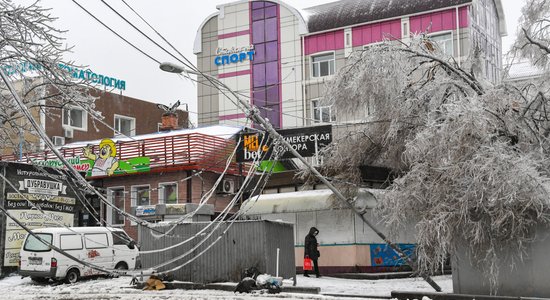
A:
x: 35, y: 245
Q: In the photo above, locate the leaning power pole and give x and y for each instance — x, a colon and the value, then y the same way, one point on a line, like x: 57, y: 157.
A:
x: 253, y: 114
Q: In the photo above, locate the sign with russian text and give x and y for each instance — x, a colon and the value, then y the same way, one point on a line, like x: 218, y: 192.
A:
x: 100, y: 163
x: 76, y: 73
x: 307, y: 141
x: 225, y: 56
x: 46, y: 188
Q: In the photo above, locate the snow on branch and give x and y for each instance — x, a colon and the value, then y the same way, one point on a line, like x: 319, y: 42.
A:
x: 470, y: 157
x: 31, y: 55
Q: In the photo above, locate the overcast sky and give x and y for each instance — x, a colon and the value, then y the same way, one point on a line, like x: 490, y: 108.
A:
x: 178, y: 21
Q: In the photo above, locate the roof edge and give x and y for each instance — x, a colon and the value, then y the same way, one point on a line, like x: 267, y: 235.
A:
x: 302, y: 25
x: 501, y: 19
x: 197, y: 45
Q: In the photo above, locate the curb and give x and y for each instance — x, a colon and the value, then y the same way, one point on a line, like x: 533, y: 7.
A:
x: 230, y: 287
x: 449, y: 296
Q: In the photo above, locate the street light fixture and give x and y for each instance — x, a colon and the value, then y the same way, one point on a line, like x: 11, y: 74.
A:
x: 172, y: 68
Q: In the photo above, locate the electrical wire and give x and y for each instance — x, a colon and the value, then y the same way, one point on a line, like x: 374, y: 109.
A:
x: 205, y: 239
x: 115, y: 33
x: 220, y: 216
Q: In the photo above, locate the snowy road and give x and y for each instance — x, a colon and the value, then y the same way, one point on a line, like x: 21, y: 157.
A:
x: 15, y: 288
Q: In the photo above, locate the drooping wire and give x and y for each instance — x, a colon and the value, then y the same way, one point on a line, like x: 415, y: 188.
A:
x: 114, y: 32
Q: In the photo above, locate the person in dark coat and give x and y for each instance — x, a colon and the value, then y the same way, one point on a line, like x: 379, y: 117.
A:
x: 311, y: 251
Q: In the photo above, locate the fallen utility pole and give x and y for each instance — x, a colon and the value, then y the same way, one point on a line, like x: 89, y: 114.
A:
x: 255, y: 116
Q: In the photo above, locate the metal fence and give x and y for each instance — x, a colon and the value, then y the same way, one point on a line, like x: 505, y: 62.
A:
x: 246, y: 244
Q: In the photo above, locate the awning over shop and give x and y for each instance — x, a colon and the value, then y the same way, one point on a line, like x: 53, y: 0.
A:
x: 304, y: 201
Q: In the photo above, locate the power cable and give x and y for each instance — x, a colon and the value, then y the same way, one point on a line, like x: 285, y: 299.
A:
x: 206, y: 238
x: 142, y: 33
x: 160, y: 35
x: 114, y: 32
x: 216, y: 219
x: 233, y: 201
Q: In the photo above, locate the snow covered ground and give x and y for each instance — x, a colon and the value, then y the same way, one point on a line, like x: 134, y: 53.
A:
x: 15, y: 288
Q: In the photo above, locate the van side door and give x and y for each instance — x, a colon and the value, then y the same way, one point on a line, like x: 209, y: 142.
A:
x: 122, y: 250
x: 72, y: 244
x: 98, y: 251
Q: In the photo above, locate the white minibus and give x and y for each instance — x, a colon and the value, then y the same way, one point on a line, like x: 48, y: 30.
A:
x: 105, y: 247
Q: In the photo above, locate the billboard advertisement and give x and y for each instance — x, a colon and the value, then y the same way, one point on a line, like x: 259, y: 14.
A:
x: 46, y: 188
x: 307, y: 141
x: 101, y: 163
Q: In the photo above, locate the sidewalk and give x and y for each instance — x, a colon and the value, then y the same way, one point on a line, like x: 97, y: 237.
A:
x: 336, y: 287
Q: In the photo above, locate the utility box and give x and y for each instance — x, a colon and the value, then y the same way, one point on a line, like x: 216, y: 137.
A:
x: 245, y: 244
x: 527, y: 279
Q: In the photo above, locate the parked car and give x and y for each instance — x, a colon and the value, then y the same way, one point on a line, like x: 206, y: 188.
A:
x: 105, y: 247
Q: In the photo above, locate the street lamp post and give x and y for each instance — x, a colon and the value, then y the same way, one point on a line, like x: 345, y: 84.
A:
x: 253, y: 113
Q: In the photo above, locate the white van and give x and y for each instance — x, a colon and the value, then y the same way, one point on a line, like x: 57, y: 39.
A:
x: 106, y: 247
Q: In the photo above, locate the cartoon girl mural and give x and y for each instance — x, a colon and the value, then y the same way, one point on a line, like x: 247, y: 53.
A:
x: 105, y: 163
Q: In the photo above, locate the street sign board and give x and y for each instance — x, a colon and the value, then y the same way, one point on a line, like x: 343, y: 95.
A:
x: 306, y: 140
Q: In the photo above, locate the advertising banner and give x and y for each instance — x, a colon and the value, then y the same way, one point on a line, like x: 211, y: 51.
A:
x: 307, y: 141
x: 44, y: 187
x: 101, y: 163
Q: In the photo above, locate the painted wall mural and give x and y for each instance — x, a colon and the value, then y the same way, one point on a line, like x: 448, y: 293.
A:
x: 383, y: 255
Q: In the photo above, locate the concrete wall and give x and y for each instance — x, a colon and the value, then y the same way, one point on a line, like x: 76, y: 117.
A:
x: 527, y: 279
x: 345, y: 240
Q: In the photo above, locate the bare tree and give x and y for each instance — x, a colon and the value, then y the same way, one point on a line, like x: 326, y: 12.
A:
x: 471, y: 157
x: 32, y: 56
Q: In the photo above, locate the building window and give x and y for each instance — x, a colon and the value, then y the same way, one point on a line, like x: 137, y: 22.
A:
x: 116, y: 197
x: 75, y: 118
x: 141, y: 195
x: 168, y: 193
x: 322, y: 65
x: 125, y: 125
x: 322, y: 114
x: 444, y: 41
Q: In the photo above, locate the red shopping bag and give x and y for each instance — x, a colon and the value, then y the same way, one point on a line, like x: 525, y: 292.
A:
x: 308, y: 264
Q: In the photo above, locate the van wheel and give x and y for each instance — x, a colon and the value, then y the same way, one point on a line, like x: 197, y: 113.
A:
x: 72, y: 276
x: 121, y: 266
x: 40, y: 279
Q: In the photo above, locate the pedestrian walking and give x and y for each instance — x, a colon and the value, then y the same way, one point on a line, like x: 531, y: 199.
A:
x: 311, y: 251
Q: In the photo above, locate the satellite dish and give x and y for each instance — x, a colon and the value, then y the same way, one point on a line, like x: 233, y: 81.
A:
x: 364, y: 200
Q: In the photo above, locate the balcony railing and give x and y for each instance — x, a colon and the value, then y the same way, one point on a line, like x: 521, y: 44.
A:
x: 193, y: 151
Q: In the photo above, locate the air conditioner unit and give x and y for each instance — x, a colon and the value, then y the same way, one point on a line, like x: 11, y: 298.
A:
x: 68, y: 133
x: 58, y: 140
x: 227, y: 186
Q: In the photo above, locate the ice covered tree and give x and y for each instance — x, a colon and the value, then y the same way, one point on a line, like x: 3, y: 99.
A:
x: 471, y: 157
x: 32, y: 56
x: 533, y: 40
